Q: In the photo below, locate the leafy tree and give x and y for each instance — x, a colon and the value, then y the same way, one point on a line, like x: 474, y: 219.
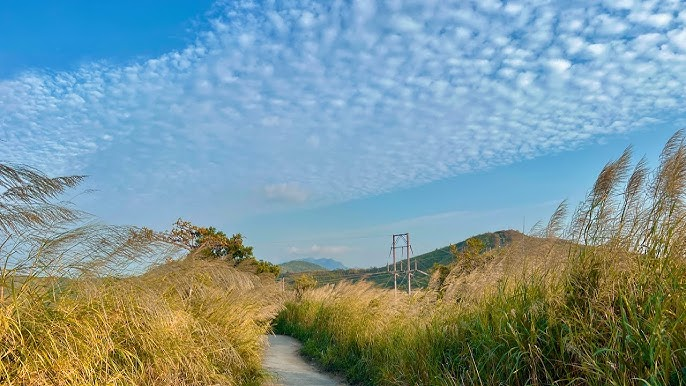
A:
x: 209, y: 242
x: 267, y: 267
x: 259, y: 266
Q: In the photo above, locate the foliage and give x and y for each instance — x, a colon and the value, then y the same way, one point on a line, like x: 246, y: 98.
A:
x: 303, y: 283
x: 209, y: 242
x: 259, y: 267
x: 606, y: 304
x: 468, y: 257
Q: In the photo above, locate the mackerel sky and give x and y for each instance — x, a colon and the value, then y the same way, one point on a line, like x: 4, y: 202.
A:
x: 321, y: 128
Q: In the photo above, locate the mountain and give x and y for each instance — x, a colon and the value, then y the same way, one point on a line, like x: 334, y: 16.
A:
x: 297, y: 266
x: 329, y: 264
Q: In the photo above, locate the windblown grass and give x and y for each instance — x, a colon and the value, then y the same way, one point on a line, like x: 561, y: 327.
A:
x: 72, y: 313
x: 601, y: 301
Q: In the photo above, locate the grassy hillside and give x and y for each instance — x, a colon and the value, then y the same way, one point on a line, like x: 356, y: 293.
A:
x: 597, y: 300
x: 329, y: 264
x: 425, y: 262
x: 299, y: 266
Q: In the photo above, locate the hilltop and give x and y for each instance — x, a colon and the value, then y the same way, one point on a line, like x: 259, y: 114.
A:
x: 425, y: 262
x: 329, y: 264
x: 297, y: 266
x: 310, y: 264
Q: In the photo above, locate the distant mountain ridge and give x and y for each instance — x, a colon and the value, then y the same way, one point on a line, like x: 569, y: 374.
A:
x: 329, y: 264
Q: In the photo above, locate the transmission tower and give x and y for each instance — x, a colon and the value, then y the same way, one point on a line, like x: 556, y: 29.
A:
x: 402, y: 241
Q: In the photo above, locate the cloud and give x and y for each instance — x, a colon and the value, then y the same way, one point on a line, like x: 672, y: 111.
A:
x: 678, y: 38
x: 286, y: 192
x: 559, y: 65
x: 320, y: 250
x: 344, y: 101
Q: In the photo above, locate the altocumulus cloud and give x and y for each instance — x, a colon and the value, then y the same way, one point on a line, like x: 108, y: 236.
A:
x: 331, y: 101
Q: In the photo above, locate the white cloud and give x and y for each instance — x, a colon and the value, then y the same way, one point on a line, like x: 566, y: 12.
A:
x: 656, y: 20
x: 513, y: 8
x: 289, y: 192
x: 405, y: 23
x: 339, y: 101
x: 559, y: 65
x: 597, y: 49
x: 307, y: 19
x: 611, y: 25
x: 277, y: 21
x: 678, y: 38
x: 619, y: 4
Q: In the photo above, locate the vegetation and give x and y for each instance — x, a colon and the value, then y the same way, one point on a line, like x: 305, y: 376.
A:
x: 212, y: 244
x: 303, y: 283
x: 73, y: 313
x: 425, y: 262
x: 208, y: 242
x: 298, y: 266
x: 596, y: 298
x: 327, y: 263
x: 601, y: 300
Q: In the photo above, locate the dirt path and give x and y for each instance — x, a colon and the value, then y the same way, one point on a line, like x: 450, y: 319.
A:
x: 283, y: 360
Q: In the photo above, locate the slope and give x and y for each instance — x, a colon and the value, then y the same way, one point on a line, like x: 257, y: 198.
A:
x: 424, y: 262
x: 298, y: 266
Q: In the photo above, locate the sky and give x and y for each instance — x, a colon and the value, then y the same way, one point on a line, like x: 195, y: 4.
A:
x: 321, y: 128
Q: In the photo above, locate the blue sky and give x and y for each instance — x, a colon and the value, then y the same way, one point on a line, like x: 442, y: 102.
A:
x: 321, y: 128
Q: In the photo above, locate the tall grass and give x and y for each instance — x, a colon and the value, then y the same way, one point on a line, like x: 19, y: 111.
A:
x: 599, y: 301
x: 73, y: 313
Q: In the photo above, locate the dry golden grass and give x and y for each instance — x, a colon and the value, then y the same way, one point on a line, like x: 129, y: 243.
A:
x: 189, y: 322
x: 73, y: 313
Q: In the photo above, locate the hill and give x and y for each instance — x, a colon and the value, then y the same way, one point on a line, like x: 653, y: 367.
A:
x: 329, y: 264
x: 297, y: 266
x: 523, y: 257
x: 424, y: 262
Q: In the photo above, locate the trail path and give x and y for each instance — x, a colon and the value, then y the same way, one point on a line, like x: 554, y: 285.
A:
x: 282, y: 359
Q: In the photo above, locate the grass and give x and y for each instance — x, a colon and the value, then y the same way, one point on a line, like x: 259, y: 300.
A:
x: 598, y: 298
x: 72, y: 312
x: 189, y: 322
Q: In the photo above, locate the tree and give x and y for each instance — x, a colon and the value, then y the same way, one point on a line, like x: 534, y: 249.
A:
x: 469, y: 256
x: 257, y: 267
x: 208, y: 242
x: 303, y: 283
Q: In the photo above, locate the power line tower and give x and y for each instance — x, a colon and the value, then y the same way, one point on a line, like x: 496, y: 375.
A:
x: 398, y: 241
